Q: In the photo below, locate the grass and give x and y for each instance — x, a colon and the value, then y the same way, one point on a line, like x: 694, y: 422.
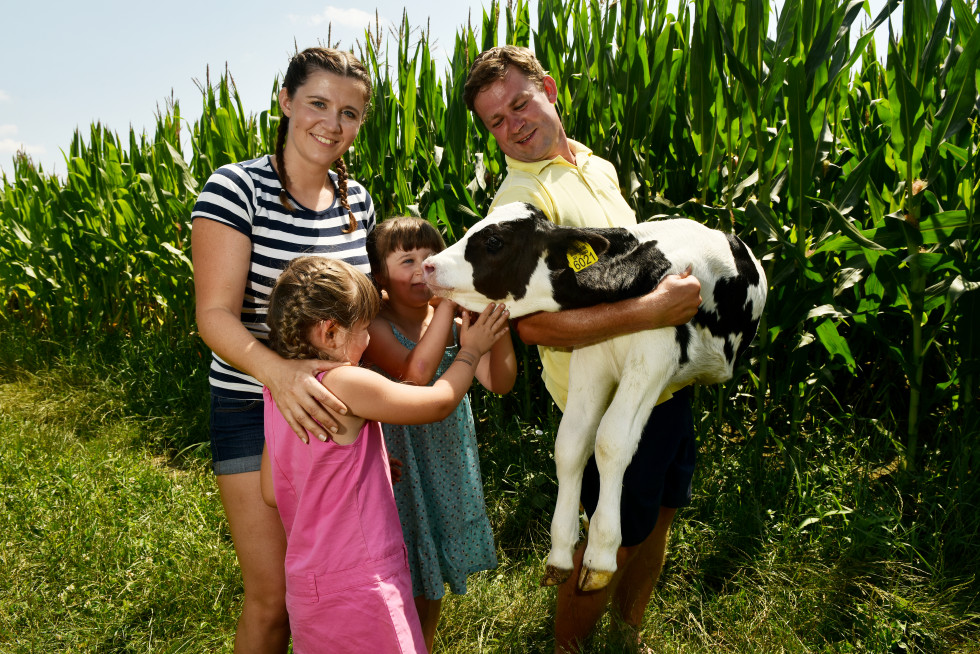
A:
x: 114, y: 537
x: 108, y: 547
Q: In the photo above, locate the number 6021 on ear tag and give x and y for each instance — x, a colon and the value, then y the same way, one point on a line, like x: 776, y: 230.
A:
x: 581, y: 256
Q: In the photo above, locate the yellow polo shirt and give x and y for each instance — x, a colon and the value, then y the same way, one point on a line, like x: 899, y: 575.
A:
x: 584, y: 194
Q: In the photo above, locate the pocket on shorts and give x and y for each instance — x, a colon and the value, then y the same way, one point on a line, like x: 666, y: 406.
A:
x: 301, y: 589
x: 233, y: 405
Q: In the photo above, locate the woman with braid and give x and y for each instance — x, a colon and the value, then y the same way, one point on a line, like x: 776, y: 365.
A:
x: 348, y: 586
x: 250, y: 220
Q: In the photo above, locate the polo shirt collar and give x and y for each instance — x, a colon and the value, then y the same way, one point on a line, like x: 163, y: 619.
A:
x: 535, y: 167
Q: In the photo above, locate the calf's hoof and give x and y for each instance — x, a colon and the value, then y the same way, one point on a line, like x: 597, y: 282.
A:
x: 593, y: 579
x: 554, y: 576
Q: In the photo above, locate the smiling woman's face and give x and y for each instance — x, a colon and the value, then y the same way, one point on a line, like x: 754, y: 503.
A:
x: 325, y: 114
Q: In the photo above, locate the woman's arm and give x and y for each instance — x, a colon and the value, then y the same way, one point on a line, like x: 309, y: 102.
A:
x: 673, y: 302
x: 221, y: 257
x: 419, y: 364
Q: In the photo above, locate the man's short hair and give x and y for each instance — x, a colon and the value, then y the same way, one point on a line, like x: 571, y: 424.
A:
x: 491, y: 65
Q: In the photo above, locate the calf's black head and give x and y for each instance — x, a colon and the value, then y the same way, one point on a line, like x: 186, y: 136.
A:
x: 508, y: 257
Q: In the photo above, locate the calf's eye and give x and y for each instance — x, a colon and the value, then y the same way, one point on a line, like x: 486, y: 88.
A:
x: 494, y: 244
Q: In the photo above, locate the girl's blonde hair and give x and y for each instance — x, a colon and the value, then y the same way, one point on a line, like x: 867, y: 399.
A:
x: 310, y: 290
x: 400, y: 233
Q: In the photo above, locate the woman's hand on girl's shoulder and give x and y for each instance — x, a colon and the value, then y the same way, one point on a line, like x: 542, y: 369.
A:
x: 304, y: 402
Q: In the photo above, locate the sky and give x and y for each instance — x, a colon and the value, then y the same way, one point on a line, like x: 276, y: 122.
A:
x: 68, y: 64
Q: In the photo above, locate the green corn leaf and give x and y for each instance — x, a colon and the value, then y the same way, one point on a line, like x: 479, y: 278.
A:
x: 883, y: 15
x: 937, y: 229
x: 845, y: 226
x: 702, y: 91
x: 21, y: 235
x: 850, y: 190
x: 908, y: 118
x: 762, y: 219
x: 936, y: 38
x: 966, y: 22
x: 741, y: 72
x: 409, y: 125
x: 187, y: 181
x: 834, y: 343
x: 804, y: 144
x: 959, y: 102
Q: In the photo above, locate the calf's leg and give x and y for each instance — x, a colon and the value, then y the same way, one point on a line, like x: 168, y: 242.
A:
x: 644, y: 378
x: 573, y: 445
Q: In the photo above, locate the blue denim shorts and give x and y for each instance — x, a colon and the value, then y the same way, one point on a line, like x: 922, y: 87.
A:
x: 237, y: 434
x: 660, y: 473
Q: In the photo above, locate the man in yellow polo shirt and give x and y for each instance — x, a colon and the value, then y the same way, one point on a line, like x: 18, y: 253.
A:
x: 510, y: 92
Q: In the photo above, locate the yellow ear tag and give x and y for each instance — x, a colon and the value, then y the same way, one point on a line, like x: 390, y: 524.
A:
x: 581, y: 256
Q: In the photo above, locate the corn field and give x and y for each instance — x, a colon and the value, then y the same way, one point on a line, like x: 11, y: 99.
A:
x: 854, y: 174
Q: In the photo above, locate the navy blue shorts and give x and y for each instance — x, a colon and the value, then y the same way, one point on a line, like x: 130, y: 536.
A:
x: 660, y: 473
x: 237, y: 434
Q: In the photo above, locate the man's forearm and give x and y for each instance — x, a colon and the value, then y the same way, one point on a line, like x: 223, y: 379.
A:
x: 673, y: 302
x: 576, y: 327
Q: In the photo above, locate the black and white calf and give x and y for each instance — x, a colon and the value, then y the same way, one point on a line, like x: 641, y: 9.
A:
x: 518, y: 257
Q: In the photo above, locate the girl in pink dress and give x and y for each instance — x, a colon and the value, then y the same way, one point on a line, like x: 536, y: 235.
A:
x: 348, y: 587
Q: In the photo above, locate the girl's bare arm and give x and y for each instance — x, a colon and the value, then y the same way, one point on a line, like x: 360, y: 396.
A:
x: 419, y: 364
x: 498, y: 367
x: 374, y: 397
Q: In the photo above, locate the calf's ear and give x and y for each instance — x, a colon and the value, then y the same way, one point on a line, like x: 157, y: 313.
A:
x: 575, y: 249
x: 573, y: 239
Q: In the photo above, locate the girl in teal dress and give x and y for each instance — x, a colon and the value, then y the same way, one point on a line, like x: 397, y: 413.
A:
x: 440, y: 495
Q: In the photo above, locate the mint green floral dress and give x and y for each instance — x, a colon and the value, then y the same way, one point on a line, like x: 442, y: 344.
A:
x: 440, y: 496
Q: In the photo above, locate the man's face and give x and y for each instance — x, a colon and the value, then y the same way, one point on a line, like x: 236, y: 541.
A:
x: 522, y: 117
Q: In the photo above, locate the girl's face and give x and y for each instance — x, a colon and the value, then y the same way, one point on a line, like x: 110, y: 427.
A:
x: 352, y: 342
x: 404, y: 282
x: 324, y: 114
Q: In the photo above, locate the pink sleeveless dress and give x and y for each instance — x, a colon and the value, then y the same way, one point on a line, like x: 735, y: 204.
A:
x: 348, y: 586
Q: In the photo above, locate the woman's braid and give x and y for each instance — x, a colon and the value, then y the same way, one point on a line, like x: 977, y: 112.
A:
x: 342, y: 177
x: 281, y: 161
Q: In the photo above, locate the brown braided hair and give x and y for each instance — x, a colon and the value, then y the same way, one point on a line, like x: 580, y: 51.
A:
x: 310, y: 290
x: 342, y: 177
x: 301, y: 66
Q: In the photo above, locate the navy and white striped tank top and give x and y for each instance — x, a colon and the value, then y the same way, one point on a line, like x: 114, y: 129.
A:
x: 245, y: 196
